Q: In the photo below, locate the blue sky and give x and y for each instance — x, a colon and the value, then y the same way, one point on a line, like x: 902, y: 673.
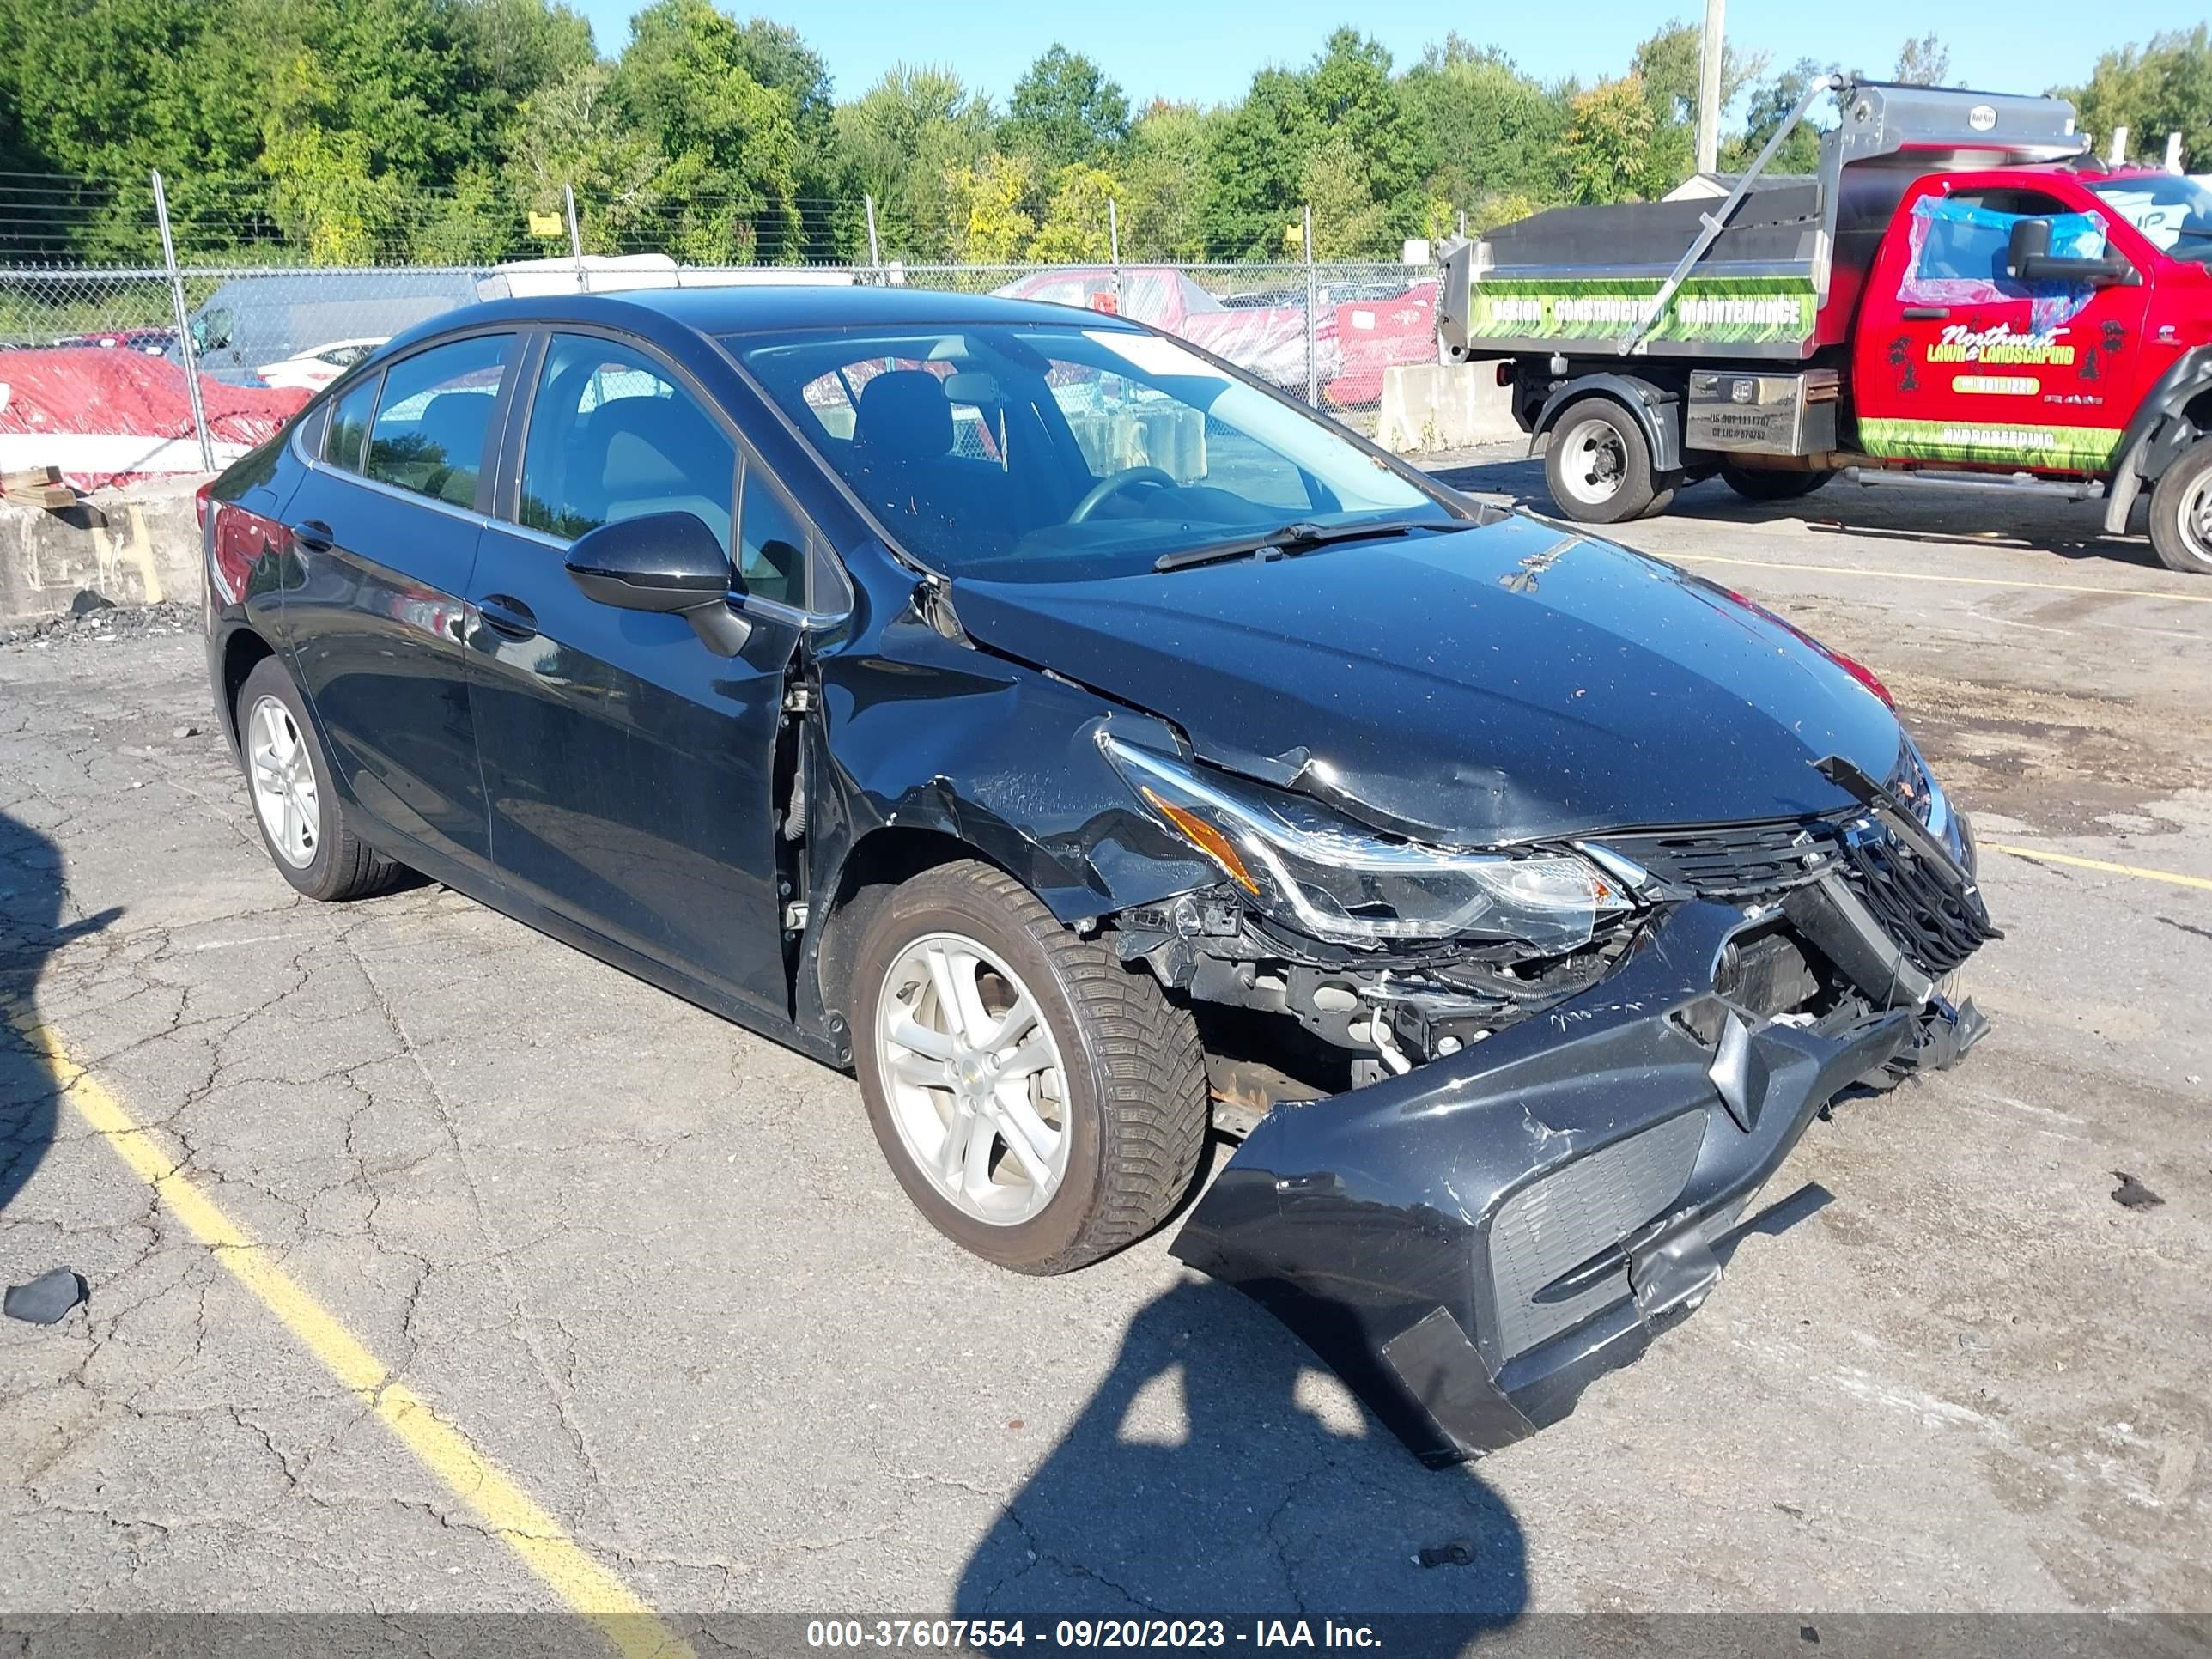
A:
x: 1206, y: 51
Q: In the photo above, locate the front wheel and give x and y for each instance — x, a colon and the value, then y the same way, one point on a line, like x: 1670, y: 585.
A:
x: 2181, y: 511
x: 1598, y: 464
x: 1041, y: 1104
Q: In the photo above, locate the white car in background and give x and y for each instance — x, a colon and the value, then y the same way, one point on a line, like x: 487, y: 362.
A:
x: 315, y: 370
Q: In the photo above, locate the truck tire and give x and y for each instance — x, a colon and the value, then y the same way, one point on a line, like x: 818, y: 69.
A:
x: 2181, y: 511
x: 979, y: 1018
x: 1598, y: 464
x: 1758, y: 484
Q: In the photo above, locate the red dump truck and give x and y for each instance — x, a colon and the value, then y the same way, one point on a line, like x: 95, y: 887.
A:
x: 1960, y: 295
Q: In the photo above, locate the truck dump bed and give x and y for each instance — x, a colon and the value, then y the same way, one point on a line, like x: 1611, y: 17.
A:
x: 1781, y: 277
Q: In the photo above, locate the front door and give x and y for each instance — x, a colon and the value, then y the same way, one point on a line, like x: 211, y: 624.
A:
x: 384, y: 532
x: 630, y: 770
x: 1959, y: 361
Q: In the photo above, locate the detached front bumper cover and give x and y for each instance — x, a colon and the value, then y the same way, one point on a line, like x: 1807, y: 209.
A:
x: 1469, y: 1244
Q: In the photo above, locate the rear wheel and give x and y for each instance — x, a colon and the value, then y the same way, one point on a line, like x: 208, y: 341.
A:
x: 303, y: 823
x: 2181, y: 511
x: 1041, y: 1104
x: 1758, y: 484
x: 1598, y: 464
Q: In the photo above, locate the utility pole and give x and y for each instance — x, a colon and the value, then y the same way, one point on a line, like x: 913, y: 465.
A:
x: 1709, y: 88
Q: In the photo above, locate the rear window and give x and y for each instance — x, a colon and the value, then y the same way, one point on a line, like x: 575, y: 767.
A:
x: 435, y: 416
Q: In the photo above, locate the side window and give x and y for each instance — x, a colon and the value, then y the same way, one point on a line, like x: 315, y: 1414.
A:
x: 1961, y: 244
x: 612, y: 437
x: 347, y: 435
x: 771, y: 542
x: 428, y: 436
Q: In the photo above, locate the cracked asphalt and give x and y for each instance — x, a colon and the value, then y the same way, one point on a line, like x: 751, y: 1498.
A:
x: 653, y: 1268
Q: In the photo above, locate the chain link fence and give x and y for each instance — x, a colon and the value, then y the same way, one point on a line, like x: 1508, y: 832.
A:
x: 255, y: 313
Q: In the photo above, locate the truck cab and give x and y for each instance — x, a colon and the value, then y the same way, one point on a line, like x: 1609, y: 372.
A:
x: 2018, y: 318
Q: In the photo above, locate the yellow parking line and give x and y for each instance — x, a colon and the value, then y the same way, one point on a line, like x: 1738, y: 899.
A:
x: 2036, y: 855
x: 588, y: 1589
x: 1928, y: 576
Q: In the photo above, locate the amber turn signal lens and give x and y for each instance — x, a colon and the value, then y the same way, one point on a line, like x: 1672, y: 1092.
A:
x: 1207, y: 839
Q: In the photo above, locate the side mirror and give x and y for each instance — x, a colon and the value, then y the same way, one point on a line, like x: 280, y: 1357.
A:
x: 668, y: 562
x: 2029, y: 260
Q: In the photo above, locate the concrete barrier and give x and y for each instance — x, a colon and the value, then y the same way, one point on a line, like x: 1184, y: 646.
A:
x: 138, y: 545
x: 1429, y: 406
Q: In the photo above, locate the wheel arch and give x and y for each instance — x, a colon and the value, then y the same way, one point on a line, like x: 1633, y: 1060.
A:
x: 243, y: 652
x: 2175, y: 414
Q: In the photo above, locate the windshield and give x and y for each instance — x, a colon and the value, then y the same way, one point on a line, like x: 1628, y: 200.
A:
x: 2174, y: 212
x: 1061, y: 453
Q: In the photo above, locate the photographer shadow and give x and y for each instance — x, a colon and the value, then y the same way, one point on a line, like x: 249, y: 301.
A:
x: 1221, y: 1469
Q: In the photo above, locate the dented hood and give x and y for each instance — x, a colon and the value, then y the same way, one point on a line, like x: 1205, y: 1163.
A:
x: 1497, y: 684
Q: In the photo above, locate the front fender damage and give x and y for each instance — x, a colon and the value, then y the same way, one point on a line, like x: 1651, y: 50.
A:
x: 1470, y: 1244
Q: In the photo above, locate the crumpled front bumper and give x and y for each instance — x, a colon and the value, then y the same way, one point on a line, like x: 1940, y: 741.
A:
x: 1469, y: 1244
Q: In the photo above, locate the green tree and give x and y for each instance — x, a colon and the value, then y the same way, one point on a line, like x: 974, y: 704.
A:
x: 730, y: 180
x: 989, y: 221
x: 1922, y: 62
x: 1492, y: 130
x: 1165, y: 176
x: 897, y: 144
x: 2165, y: 85
x: 1259, y: 160
x: 1668, y: 65
x: 1065, y: 110
x: 1608, y: 143
x: 1348, y: 222
x: 1769, y: 106
x: 1076, y: 228
x: 573, y: 136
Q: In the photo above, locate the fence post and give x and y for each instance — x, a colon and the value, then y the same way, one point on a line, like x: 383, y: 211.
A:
x: 1313, y: 330
x: 1114, y: 248
x: 875, y: 249
x: 184, y: 350
x: 576, y: 240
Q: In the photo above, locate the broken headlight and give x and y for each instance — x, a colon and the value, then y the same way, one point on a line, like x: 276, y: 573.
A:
x: 1311, y: 870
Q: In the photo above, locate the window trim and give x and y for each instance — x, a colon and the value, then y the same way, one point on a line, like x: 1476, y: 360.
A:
x: 505, y: 509
x: 329, y: 415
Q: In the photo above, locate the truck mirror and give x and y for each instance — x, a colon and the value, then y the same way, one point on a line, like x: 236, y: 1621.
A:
x: 2031, y: 239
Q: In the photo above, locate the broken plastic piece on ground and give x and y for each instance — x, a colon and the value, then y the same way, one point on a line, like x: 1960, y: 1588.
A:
x: 2132, y: 1195
x: 1457, y: 1554
x: 47, y: 1298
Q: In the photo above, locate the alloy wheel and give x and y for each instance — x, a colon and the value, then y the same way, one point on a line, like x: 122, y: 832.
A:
x: 283, y: 782
x: 974, y: 1079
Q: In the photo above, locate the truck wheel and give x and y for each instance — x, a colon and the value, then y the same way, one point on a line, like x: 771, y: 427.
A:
x: 2181, y: 511
x: 1041, y: 1104
x: 1598, y: 464
x: 1758, y: 484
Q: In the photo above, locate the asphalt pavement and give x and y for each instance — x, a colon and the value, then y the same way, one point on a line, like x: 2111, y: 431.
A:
x: 435, y: 1267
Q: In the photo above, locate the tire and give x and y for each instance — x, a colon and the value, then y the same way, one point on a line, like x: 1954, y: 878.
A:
x: 1598, y: 464
x: 2181, y: 511
x: 337, y: 864
x: 1131, y: 1083
x: 1756, y: 483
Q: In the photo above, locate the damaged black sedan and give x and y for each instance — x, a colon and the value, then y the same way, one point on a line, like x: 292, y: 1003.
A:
x: 1092, y: 748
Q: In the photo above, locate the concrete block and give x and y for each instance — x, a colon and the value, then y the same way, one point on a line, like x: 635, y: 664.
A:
x: 136, y: 545
x: 1428, y: 406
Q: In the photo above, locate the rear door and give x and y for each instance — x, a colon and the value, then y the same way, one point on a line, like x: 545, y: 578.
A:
x: 1957, y: 361
x: 384, y: 529
x: 630, y: 770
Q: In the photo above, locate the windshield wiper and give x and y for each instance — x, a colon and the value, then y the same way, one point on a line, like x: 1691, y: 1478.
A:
x: 1301, y: 534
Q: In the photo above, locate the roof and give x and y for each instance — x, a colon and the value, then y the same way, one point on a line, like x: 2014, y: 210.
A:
x: 770, y: 308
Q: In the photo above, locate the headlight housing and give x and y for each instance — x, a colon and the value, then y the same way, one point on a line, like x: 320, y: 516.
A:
x: 1318, y: 875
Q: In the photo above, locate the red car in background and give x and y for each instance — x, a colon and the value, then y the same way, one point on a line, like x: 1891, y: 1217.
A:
x: 1355, y: 338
